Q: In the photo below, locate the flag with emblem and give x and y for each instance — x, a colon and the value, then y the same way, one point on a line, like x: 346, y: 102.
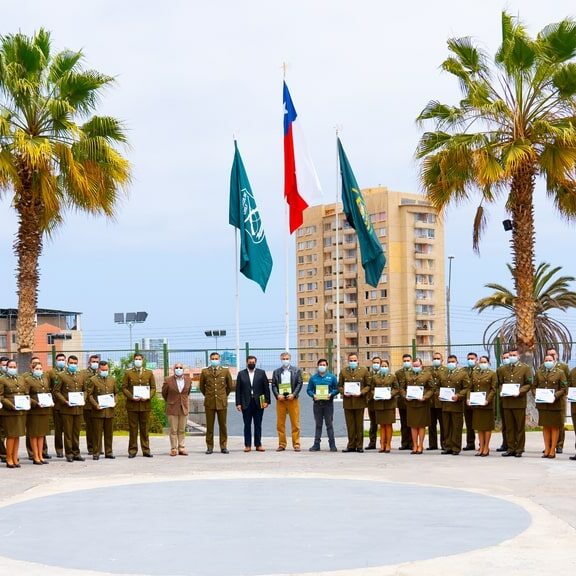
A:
x: 255, y: 257
x: 373, y: 259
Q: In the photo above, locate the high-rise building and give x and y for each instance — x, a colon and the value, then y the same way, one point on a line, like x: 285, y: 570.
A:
x: 408, y: 304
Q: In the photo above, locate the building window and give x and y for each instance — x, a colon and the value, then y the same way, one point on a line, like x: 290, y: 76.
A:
x: 378, y: 217
x: 301, y: 315
x: 301, y: 301
x: 423, y: 248
x: 381, y: 231
x: 351, y: 268
x: 384, y: 325
x: 328, y: 241
x: 327, y: 284
x: 312, y: 314
x: 3, y: 342
x: 312, y: 300
x: 384, y: 309
x: 350, y: 253
x: 425, y: 309
x: 429, y: 233
x: 425, y: 217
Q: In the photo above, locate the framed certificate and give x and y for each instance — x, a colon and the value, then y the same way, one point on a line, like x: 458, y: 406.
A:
x: 45, y: 400
x: 285, y: 388
x: 545, y: 395
x: 106, y: 401
x: 22, y: 402
x: 322, y: 392
x: 141, y: 392
x: 571, y: 394
x: 510, y: 390
x: 352, y: 388
x: 477, y: 398
x: 76, y: 398
x: 415, y: 392
x: 446, y: 394
x: 382, y: 393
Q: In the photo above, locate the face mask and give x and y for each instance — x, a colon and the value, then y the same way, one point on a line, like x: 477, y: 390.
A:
x: 384, y: 370
x: 436, y: 363
x: 12, y: 371
x: 94, y: 365
x: 451, y: 365
x: 505, y: 361
x: 285, y: 363
x: 471, y: 362
x: 407, y: 365
x: 417, y: 369
x: 137, y: 363
x: 178, y: 371
x: 353, y: 365
x: 104, y: 373
x: 375, y: 367
x: 214, y: 363
x: 3, y: 369
x: 251, y: 366
x: 322, y: 369
x: 549, y: 365
x: 483, y: 365
x: 37, y: 373
x: 513, y: 359
x: 72, y: 368
x: 60, y: 364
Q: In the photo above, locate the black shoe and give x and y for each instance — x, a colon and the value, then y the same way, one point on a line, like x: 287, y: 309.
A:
x: 405, y: 448
x: 46, y: 457
x: 572, y: 458
x: 446, y: 452
x: 78, y: 458
x: 502, y: 448
x: 314, y: 448
x: 148, y: 455
x: 559, y: 450
x: 209, y: 451
x: 370, y: 447
x: 467, y: 448
x: 455, y: 453
x: 334, y: 449
x: 506, y: 454
x: 432, y: 448
x: 131, y: 455
x: 44, y: 462
x: 518, y: 455
x: 59, y: 455
x: 30, y: 457
x: 110, y: 456
x: 95, y: 457
x: 37, y: 462
x: 225, y: 451
x: 69, y: 459
x: 360, y: 450
x: 349, y: 450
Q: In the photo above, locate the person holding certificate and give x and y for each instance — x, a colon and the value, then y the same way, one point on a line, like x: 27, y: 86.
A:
x: 373, y: 369
x: 101, y: 394
x: 38, y: 419
x: 3, y: 363
x: 14, y: 397
x: 139, y: 387
x: 53, y: 376
x: 405, y: 432
x: 480, y: 399
x: 323, y: 388
x: 472, y: 372
x: 176, y: 394
x: 505, y: 361
x: 354, y: 385
x: 439, y: 373
x: 564, y: 367
x: 452, y: 396
x: 384, y: 391
x: 571, y: 397
x: 85, y: 375
x: 69, y: 391
x: 550, y: 387
x: 516, y: 381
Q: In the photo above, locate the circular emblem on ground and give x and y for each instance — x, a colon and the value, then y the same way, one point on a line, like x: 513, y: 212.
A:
x: 253, y: 526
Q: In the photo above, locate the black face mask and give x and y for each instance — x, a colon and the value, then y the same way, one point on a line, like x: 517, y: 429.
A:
x: 251, y: 366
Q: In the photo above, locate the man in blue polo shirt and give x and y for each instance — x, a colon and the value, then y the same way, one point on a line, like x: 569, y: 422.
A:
x: 322, y: 388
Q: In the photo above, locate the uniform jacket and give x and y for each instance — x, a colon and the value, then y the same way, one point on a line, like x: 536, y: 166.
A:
x: 457, y: 379
x: 423, y: 379
x: 556, y: 379
x: 35, y: 386
x: 68, y: 382
x: 138, y: 377
x: 98, y: 386
x: 10, y: 386
x: 519, y: 373
x: 244, y: 390
x: 439, y: 377
x: 485, y: 381
x: 295, y: 380
x: 215, y: 385
x: 176, y: 402
x: 53, y: 376
x: 86, y: 375
x: 401, y: 379
x: 388, y: 381
x: 359, y: 375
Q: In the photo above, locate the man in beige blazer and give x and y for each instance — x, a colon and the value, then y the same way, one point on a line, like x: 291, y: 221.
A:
x: 176, y: 391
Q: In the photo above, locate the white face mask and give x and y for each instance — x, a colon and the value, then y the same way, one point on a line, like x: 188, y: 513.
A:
x: 137, y: 363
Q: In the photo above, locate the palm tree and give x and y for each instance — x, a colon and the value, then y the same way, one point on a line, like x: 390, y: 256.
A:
x: 54, y: 154
x: 550, y: 293
x: 516, y: 121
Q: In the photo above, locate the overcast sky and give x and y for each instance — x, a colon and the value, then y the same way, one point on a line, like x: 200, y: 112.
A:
x: 190, y: 75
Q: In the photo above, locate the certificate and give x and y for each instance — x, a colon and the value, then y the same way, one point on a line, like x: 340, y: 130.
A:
x: 352, y: 388
x: 382, y: 393
x: 477, y: 398
x: 22, y: 402
x: 106, y: 400
x: 322, y: 392
x: 545, y: 395
x: 571, y: 395
x: 446, y: 394
x: 510, y: 390
x: 76, y: 398
x: 415, y: 392
x: 45, y: 400
x: 285, y: 387
x: 141, y: 392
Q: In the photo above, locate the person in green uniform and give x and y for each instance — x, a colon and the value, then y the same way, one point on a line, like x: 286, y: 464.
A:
x: 354, y: 385
x: 38, y: 418
x: 34, y: 360
x: 505, y: 361
x: 472, y: 372
x: 564, y: 367
x: 483, y: 420
x: 385, y: 409
x: 139, y: 405
x: 373, y: 430
x: 405, y: 433
x: 439, y: 373
x: 550, y: 416
x: 514, y: 406
x: 453, y: 409
x: 216, y: 384
x: 100, y: 388
x: 85, y: 375
x: 53, y: 375
x: 3, y: 363
x: 418, y: 410
x: 572, y: 384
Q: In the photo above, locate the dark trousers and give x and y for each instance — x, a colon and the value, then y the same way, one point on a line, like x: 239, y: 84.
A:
x: 405, y: 433
x: 504, y: 438
x: 58, y: 431
x: 72, y: 424
x: 515, y: 429
x: 29, y: 447
x: 324, y: 412
x: 138, y: 423
x: 211, y: 414
x: 453, y: 424
x: 89, y: 426
x: 253, y: 412
x: 102, y: 426
x: 355, y: 426
x: 562, y: 435
x: 435, y: 417
x: 373, y: 430
x: 470, y: 436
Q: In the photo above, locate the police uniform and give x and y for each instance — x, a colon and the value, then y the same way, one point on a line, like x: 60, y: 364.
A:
x: 56, y: 414
x: 498, y: 403
x: 102, y: 418
x: 13, y: 421
x: 373, y: 430
x: 216, y: 384
x: 38, y: 418
x: 418, y: 412
x: 453, y: 412
x: 483, y: 419
x: 439, y: 375
x: 551, y: 415
x: 354, y: 406
x: 468, y: 411
x: 87, y: 412
x: 71, y: 415
x: 385, y: 410
x: 405, y: 434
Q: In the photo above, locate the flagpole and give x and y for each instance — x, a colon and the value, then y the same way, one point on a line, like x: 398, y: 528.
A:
x: 336, y: 212
x: 237, y: 302
x: 286, y: 271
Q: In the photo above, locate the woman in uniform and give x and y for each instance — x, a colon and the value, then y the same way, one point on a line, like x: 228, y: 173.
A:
x: 418, y: 411
x: 13, y: 421
x: 483, y: 421
x: 550, y: 415
x: 385, y: 409
x: 38, y: 419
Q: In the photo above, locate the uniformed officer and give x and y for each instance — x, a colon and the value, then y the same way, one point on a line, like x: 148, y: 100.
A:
x: 405, y: 433
x: 354, y: 402
x: 572, y: 384
x: 216, y: 385
x: 101, y: 386
x: 472, y: 371
x: 385, y: 409
x: 38, y: 418
x: 564, y: 367
x: 439, y: 373
x: 483, y: 421
x: 514, y: 407
x: 373, y: 370
x: 453, y: 410
x: 505, y: 361
x: 85, y: 375
x: 33, y: 361
x: 53, y: 375
x: 3, y: 363
x: 138, y: 406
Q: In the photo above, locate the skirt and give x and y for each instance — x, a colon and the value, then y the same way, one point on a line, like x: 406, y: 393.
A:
x: 386, y: 416
x: 417, y: 414
x: 483, y: 419
x: 14, y: 425
x: 551, y: 418
x: 38, y: 424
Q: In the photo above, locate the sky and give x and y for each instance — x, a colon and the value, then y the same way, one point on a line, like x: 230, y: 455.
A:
x: 192, y: 75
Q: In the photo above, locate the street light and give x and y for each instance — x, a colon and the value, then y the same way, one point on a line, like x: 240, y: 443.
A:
x: 215, y: 334
x: 130, y: 318
x: 448, y: 334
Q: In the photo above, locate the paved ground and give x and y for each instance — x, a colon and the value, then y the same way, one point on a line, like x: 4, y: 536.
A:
x: 290, y: 513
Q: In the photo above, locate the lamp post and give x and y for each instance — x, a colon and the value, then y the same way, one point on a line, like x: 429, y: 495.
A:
x: 448, y: 288
x: 130, y: 318
x: 215, y: 334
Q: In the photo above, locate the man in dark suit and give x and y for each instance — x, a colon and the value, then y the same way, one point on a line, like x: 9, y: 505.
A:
x: 252, y: 398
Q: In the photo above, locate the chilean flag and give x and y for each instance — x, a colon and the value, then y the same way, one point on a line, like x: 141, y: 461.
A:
x: 301, y: 184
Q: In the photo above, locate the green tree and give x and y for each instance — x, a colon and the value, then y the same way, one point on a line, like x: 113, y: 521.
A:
x: 551, y: 293
x: 515, y: 122
x: 55, y: 154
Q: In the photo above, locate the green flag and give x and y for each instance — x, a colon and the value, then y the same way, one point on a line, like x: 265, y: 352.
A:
x: 255, y: 257
x: 373, y: 259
